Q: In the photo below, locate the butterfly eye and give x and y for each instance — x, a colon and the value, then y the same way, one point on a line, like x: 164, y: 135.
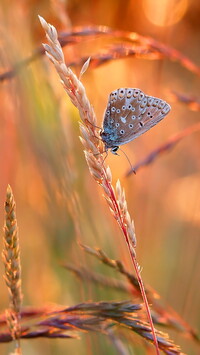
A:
x: 113, y: 109
x: 122, y: 131
x: 130, y: 125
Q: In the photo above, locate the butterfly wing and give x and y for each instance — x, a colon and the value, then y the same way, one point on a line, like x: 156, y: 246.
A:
x: 131, y: 113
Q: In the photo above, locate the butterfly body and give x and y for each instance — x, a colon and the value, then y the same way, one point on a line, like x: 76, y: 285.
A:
x: 129, y: 114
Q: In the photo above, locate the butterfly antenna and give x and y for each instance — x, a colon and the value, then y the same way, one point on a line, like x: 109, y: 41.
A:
x: 132, y: 169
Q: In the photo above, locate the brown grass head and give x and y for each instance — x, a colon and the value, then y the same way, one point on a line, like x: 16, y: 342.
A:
x: 93, y: 146
x: 11, y: 260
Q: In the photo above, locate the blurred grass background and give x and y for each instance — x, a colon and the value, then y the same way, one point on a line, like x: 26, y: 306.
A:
x: 58, y: 203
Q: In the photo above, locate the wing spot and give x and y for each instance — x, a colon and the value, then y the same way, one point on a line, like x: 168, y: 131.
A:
x: 141, y: 96
x: 117, y: 124
x: 122, y: 131
x: 113, y: 109
x: 130, y: 125
x: 166, y: 109
x: 143, y: 103
x: 136, y: 93
x: 121, y: 94
x: 123, y: 119
x: 150, y: 101
x: 141, y: 124
x: 118, y: 110
x: 155, y: 102
x: 113, y: 96
x: 123, y: 107
x: 133, y: 117
x: 161, y: 104
x: 149, y: 114
x: 129, y: 93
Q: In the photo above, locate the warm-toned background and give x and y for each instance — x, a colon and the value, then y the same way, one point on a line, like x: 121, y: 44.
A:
x: 40, y: 151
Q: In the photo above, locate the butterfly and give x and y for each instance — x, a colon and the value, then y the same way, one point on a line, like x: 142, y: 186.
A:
x: 129, y: 114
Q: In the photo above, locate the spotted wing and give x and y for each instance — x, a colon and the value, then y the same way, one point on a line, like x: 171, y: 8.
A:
x: 131, y: 113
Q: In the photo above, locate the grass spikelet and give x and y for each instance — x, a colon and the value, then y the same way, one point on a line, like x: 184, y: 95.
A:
x: 162, y: 315
x: 62, y: 322
x: 11, y: 260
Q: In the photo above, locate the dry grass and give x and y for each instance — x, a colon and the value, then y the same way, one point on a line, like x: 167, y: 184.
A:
x: 93, y: 153
x: 163, y: 315
x: 132, y: 45
x: 102, y: 317
x: 62, y: 322
x: 11, y: 260
x: 59, y: 322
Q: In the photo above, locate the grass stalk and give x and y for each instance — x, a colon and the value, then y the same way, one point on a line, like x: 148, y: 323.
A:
x: 93, y: 149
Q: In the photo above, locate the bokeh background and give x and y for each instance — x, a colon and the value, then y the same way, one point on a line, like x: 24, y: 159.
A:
x: 58, y: 203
